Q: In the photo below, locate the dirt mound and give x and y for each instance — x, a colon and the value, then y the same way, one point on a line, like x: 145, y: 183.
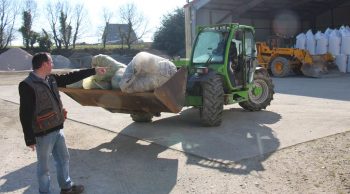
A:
x: 15, y: 59
x: 61, y: 62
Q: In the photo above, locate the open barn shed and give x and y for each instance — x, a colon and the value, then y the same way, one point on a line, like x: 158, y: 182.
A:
x: 285, y: 18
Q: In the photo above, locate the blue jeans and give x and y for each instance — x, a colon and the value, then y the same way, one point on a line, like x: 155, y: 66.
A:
x: 52, y: 143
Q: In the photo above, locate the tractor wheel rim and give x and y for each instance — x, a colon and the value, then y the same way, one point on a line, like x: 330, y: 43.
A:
x: 279, y: 67
x: 259, y: 92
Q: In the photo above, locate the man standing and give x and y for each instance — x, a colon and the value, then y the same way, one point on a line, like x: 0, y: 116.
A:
x: 42, y: 116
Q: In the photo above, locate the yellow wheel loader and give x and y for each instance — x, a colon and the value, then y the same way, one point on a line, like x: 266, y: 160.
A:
x: 282, y: 62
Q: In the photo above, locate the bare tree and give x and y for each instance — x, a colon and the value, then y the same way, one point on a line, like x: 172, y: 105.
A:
x: 45, y: 40
x: 79, y: 16
x: 26, y: 28
x: 65, y: 29
x: 107, y: 16
x: 29, y: 13
x: 53, y: 11
x: 136, y: 24
x: 60, y: 18
x: 31, y: 6
x: 8, y: 12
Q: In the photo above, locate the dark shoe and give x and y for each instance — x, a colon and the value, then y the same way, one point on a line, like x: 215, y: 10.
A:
x: 75, y: 189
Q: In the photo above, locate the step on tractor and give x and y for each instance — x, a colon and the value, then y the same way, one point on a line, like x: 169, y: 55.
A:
x: 222, y: 70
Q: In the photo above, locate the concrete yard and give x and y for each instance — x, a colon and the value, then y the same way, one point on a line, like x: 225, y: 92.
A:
x: 300, y: 144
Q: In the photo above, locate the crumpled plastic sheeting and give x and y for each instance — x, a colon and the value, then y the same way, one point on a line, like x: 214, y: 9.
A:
x: 117, y: 78
x: 106, y: 61
x: 146, y: 72
x: 92, y: 83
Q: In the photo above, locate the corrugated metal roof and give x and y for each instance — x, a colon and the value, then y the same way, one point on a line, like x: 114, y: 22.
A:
x: 268, y: 8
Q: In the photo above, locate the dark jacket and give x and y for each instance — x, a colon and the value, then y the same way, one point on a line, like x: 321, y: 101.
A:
x: 27, y: 102
x: 48, y: 112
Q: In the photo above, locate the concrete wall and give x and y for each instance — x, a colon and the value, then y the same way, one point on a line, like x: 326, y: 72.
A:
x: 341, y: 16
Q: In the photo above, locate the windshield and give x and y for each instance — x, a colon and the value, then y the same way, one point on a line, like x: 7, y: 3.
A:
x: 210, y: 47
x: 249, y: 44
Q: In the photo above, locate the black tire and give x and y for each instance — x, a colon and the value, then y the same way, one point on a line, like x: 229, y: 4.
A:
x: 261, y: 101
x: 213, y: 102
x: 297, y: 70
x: 142, y: 117
x: 280, y: 67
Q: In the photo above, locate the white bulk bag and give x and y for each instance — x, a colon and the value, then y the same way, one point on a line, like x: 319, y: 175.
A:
x: 342, y: 28
x: 321, y: 43
x: 348, y: 66
x: 146, y: 72
x: 334, y: 43
x: 106, y: 61
x: 340, y: 60
x: 301, y: 41
x: 345, y: 42
x: 310, y: 42
x: 328, y: 32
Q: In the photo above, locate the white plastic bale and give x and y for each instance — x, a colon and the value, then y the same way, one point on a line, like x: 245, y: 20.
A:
x: 345, y: 42
x: 145, y: 62
x: 117, y: 78
x: 310, y: 42
x: 340, y: 60
x: 301, y: 41
x: 328, y: 32
x: 342, y: 28
x: 334, y: 43
x: 106, y: 61
x: 321, y: 43
x: 92, y: 83
x: 348, y: 65
x: 142, y: 83
x: 146, y: 72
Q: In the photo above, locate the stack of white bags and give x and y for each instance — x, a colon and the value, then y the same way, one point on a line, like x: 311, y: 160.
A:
x: 144, y: 73
x: 336, y: 42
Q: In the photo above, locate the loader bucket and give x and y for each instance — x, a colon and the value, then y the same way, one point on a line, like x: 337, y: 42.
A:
x: 318, y: 67
x: 170, y: 97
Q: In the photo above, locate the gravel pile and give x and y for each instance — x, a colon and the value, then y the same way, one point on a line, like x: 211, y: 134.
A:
x: 61, y: 62
x: 15, y: 59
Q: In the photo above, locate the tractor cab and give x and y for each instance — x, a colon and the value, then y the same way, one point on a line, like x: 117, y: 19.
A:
x: 227, y: 49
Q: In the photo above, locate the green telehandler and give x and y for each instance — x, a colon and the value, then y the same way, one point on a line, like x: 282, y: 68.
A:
x: 222, y: 70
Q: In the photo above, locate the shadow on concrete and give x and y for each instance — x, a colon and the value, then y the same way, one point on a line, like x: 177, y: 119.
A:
x: 242, y: 135
x: 120, y: 166
x: 127, y: 165
x: 331, y: 86
x: 20, y: 179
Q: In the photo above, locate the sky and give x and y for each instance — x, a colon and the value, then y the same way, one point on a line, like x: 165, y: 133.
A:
x: 152, y: 10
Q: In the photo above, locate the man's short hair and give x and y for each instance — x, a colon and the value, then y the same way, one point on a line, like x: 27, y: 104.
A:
x: 39, y: 59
